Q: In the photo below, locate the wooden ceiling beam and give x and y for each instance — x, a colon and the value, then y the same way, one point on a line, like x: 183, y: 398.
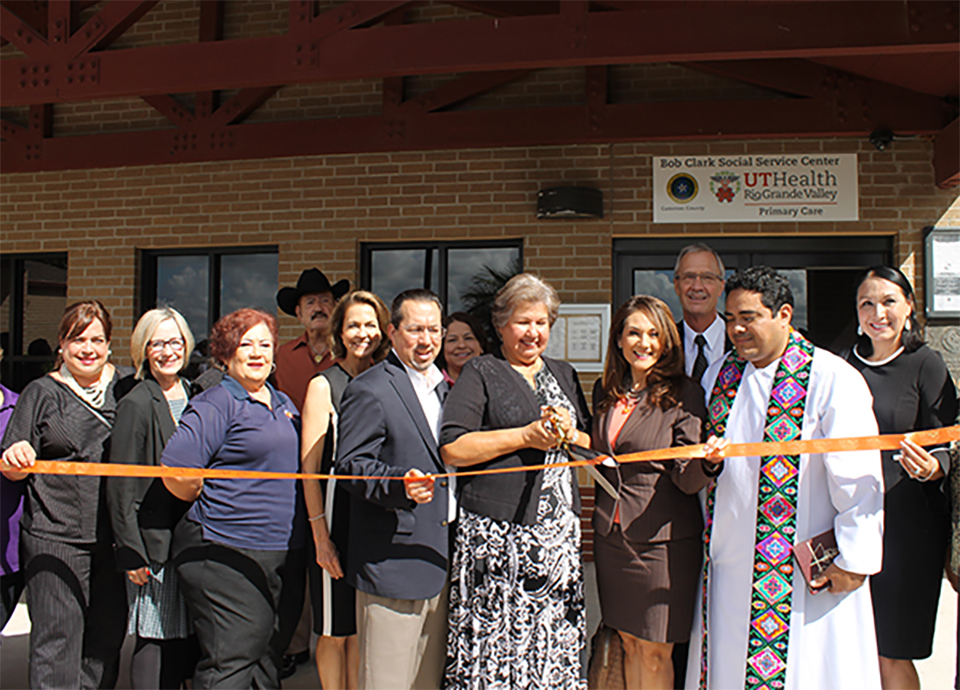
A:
x: 654, y: 32
x: 419, y: 131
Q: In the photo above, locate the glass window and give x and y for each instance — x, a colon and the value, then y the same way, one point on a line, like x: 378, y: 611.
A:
x: 183, y: 283
x: 33, y: 295
x: 249, y: 280
x: 453, y: 270
x: 207, y: 283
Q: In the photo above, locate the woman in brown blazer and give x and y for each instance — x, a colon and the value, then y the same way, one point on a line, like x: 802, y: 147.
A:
x: 648, y: 539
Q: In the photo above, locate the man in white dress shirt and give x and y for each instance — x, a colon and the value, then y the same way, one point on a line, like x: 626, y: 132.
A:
x: 698, y: 280
x: 763, y: 627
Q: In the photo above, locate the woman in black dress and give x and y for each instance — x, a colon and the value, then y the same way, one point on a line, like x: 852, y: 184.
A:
x: 912, y: 390
x: 517, y: 615
x: 75, y: 596
x: 647, y: 541
x: 358, y: 324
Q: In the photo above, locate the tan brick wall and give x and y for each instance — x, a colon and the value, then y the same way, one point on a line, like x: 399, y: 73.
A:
x: 318, y: 209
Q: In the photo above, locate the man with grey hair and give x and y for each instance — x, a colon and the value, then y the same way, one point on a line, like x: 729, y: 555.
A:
x: 698, y: 280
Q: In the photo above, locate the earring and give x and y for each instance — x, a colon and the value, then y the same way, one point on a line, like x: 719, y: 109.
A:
x: 907, y: 326
x: 273, y: 367
x: 109, y: 352
x: 859, y: 330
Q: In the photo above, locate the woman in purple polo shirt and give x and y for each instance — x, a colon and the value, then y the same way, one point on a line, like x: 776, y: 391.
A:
x: 232, y: 546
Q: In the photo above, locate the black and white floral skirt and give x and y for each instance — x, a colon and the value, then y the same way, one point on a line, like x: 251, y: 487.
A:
x: 517, y: 613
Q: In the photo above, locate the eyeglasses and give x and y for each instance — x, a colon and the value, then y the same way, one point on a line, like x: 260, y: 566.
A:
x: 157, y: 346
x: 705, y: 278
x: 435, y: 332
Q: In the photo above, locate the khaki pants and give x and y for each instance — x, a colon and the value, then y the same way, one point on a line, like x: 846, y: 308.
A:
x: 403, y: 642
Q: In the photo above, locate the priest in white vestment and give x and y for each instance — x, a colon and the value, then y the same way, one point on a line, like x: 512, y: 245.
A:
x: 830, y: 641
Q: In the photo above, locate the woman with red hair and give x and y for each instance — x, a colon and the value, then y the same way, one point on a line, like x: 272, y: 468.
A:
x: 232, y: 546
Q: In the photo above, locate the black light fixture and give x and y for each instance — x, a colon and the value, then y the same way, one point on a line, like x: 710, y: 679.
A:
x: 881, y: 138
x: 569, y: 202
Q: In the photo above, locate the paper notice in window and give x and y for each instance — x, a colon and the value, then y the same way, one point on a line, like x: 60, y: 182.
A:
x: 946, y: 272
x: 584, y: 338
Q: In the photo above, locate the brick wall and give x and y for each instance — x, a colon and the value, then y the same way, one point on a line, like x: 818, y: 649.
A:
x: 317, y: 210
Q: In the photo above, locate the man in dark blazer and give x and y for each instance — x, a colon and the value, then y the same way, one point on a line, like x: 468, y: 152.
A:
x: 399, y: 543
x: 698, y: 280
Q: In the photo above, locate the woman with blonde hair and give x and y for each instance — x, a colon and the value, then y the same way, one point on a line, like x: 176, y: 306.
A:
x: 358, y: 326
x: 142, y: 511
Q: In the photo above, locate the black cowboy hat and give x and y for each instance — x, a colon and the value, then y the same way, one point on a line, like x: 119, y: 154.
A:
x: 311, y: 281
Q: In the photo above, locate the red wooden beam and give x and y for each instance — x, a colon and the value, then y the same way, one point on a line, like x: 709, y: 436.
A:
x: 855, y: 94
x: 11, y: 131
x: 946, y: 156
x: 466, y: 129
x: 211, y: 29
x: 462, y: 89
x: 654, y: 32
x: 31, y: 12
x: 107, y: 25
x: 240, y: 106
x: 27, y: 38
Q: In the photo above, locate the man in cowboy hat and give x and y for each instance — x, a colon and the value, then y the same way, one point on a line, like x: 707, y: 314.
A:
x: 312, y: 302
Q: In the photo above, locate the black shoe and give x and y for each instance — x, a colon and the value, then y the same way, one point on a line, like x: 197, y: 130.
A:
x: 301, y: 657
x: 289, y: 666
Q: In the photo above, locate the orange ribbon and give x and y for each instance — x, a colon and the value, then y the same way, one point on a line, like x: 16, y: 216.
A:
x: 820, y: 445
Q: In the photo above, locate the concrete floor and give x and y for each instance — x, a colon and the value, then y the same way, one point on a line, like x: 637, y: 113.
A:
x: 936, y: 673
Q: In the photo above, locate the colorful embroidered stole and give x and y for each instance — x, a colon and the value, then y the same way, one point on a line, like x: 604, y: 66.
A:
x: 772, y: 597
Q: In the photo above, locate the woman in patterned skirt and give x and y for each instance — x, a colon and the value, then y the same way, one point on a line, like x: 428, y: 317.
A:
x: 143, y: 512
x: 517, y: 615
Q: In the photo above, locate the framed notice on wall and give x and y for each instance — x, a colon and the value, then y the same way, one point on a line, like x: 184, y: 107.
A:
x: 580, y: 335
x: 942, y: 263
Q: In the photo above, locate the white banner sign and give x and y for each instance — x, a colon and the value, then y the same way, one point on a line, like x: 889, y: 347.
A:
x: 755, y: 188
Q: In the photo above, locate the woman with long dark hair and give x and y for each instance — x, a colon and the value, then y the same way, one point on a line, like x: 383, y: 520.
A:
x: 912, y: 390
x: 647, y: 539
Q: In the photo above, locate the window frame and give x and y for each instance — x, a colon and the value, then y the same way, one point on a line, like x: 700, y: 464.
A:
x: 442, y: 247
x: 14, y: 355
x: 148, y: 273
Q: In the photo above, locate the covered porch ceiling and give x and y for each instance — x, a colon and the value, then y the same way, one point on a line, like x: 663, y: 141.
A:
x: 826, y: 68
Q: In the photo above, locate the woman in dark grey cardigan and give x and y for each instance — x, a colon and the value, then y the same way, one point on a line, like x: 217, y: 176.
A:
x: 516, y: 593
x: 143, y: 512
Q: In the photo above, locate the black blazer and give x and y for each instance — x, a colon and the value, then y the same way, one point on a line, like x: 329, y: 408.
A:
x: 398, y: 549
x: 490, y: 394
x: 142, y: 511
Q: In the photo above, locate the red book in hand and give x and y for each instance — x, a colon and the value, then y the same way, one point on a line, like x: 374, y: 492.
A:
x: 814, y: 556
